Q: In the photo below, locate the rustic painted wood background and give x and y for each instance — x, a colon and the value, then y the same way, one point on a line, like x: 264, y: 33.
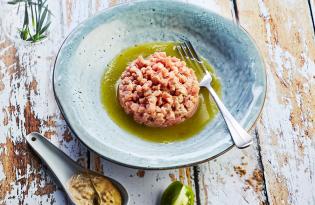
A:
x: 278, y: 169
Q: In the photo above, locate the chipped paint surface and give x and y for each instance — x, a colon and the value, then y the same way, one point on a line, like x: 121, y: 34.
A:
x: 280, y: 162
x: 287, y: 128
x: 226, y: 178
x: 27, y: 104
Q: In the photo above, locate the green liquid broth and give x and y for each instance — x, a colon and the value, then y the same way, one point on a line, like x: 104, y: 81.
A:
x: 205, y: 113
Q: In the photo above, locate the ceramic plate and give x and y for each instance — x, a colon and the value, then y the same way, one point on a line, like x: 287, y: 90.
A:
x: 83, y: 57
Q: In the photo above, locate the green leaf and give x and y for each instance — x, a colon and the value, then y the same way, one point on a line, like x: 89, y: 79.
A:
x: 38, y: 14
x: 41, y: 37
x: 42, y: 19
x: 32, y: 12
x: 26, y: 20
x: 24, y: 33
x: 31, y: 38
x: 45, y: 28
x: 39, y: 5
x: 13, y: 2
x: 18, y: 9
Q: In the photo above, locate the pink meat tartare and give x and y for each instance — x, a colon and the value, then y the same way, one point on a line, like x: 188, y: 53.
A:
x: 159, y: 91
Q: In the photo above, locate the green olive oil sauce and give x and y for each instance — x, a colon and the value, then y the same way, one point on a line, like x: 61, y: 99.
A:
x: 205, y: 113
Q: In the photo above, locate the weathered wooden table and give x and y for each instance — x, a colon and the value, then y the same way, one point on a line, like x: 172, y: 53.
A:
x: 279, y: 168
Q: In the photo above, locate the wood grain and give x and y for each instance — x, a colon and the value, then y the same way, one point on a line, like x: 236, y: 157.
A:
x: 284, y: 33
x: 238, y: 173
x: 278, y: 169
x: 209, y: 176
x: 145, y: 187
x: 27, y: 104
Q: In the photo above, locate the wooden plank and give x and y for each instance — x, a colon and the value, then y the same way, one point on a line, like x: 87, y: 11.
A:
x: 27, y: 104
x: 148, y: 183
x: 284, y: 33
x: 214, y: 178
x: 144, y: 187
x: 311, y: 5
x: 236, y: 174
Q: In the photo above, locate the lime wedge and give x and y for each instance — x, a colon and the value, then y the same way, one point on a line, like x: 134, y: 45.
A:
x: 178, y: 194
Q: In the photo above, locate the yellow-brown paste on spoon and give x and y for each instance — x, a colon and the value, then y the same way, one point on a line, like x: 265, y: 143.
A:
x: 93, y: 189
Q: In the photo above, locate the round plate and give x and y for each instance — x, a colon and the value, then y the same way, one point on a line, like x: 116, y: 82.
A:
x: 82, y: 61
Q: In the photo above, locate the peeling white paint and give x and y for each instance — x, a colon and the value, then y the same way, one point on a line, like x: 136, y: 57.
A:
x: 298, y: 170
x: 2, y: 176
x: 264, y: 11
x: 217, y: 184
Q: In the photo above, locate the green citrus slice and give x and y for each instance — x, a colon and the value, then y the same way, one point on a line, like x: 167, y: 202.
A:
x: 178, y: 194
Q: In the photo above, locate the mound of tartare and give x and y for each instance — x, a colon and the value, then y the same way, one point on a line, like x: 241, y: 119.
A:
x: 159, y: 91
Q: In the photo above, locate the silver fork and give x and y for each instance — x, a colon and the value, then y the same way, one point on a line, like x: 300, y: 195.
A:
x: 240, y: 137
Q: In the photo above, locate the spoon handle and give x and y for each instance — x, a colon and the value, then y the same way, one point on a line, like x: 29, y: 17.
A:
x: 60, y: 164
x: 240, y: 137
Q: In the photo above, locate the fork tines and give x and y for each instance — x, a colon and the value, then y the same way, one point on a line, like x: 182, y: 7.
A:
x: 186, y: 50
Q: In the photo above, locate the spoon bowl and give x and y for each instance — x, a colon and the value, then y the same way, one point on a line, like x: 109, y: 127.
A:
x: 63, y: 167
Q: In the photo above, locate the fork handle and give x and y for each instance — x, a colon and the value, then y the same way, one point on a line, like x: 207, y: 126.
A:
x: 240, y: 137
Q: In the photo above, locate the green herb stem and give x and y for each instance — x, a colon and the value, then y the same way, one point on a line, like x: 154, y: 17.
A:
x: 36, y: 19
